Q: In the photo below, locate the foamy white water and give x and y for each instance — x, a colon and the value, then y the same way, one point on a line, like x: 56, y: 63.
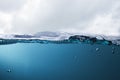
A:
x: 58, y: 36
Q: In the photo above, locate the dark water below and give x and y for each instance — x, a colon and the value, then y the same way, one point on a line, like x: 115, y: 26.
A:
x: 35, y: 61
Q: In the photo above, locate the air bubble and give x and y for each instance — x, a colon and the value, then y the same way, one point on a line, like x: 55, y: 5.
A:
x: 113, y: 51
x: 97, y: 49
x: 9, y: 70
x: 75, y: 57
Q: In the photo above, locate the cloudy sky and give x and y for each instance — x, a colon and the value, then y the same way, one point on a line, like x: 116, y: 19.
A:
x: 79, y: 16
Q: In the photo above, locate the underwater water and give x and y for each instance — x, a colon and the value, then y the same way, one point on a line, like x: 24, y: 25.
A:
x: 86, y: 59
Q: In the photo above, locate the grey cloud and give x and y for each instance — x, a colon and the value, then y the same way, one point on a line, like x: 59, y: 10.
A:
x: 11, y: 5
x: 55, y: 15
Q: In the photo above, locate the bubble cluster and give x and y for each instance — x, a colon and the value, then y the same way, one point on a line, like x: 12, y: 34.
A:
x: 113, y: 50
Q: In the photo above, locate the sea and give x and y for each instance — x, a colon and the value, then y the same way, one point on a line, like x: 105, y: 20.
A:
x: 73, y: 59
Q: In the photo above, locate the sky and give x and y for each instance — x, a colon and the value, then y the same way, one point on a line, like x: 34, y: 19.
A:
x: 73, y: 16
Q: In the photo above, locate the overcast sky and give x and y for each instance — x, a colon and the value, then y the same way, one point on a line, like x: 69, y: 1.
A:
x: 84, y: 16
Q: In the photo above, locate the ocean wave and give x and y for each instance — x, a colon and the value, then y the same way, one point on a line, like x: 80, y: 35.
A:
x: 59, y: 38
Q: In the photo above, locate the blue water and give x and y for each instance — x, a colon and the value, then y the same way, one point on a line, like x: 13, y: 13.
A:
x: 36, y: 61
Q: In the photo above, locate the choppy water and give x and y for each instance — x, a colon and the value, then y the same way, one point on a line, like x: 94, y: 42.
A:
x: 73, y: 59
